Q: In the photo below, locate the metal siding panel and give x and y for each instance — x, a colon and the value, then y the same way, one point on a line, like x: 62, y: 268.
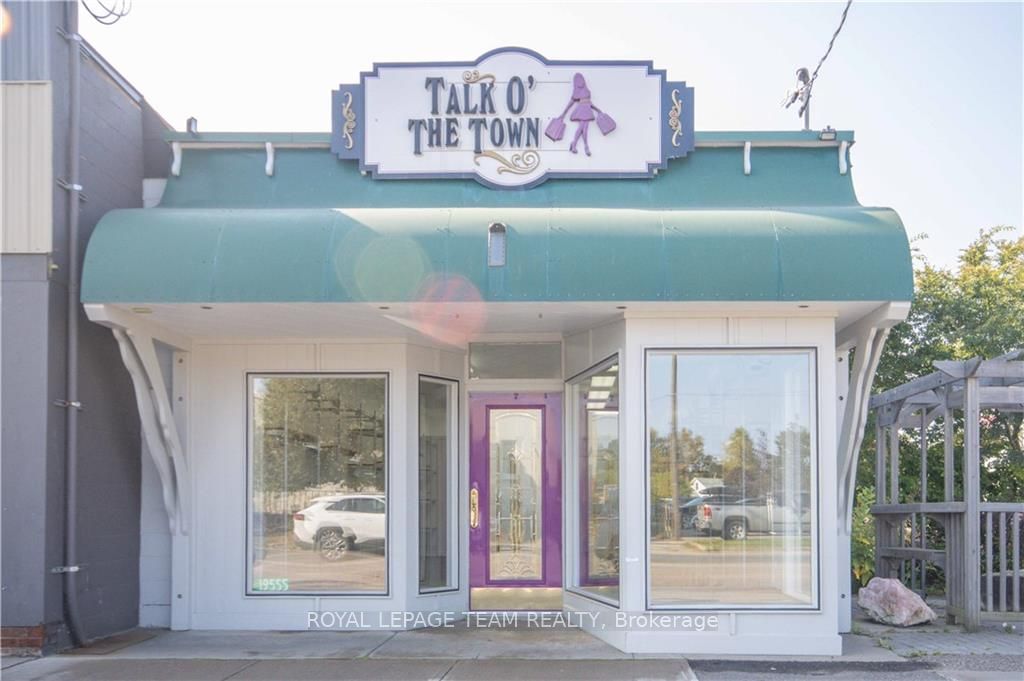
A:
x: 158, y: 256
x: 385, y: 255
x: 255, y: 256
x: 869, y: 243
x: 605, y: 255
x: 26, y: 167
x: 720, y: 255
x: 314, y: 178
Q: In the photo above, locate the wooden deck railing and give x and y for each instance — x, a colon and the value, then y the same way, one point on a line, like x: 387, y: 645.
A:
x: 976, y: 543
x: 1001, y: 574
x: 987, y: 580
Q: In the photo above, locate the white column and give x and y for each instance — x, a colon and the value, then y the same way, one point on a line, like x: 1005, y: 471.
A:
x: 844, y: 560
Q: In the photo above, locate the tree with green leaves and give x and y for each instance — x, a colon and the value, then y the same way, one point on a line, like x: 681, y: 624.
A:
x: 973, y: 310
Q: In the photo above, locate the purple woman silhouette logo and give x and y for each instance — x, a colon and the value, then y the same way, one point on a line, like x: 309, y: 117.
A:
x: 583, y: 114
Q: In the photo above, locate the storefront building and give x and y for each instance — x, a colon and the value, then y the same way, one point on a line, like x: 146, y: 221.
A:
x: 468, y: 354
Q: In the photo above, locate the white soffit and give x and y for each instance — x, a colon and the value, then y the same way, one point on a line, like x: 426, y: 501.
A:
x: 452, y: 323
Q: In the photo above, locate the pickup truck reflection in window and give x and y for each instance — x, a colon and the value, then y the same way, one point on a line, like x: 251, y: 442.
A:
x: 731, y: 478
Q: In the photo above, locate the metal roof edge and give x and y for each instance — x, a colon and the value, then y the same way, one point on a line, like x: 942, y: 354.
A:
x: 92, y: 53
x: 712, y: 138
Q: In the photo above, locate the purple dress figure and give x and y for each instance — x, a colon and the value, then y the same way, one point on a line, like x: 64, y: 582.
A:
x: 583, y: 114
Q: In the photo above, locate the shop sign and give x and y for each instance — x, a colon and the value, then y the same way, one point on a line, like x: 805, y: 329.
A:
x: 512, y: 119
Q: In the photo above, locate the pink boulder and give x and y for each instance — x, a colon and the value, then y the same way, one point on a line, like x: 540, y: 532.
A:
x: 889, y: 602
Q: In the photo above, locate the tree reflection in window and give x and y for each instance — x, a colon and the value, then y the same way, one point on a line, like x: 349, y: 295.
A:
x: 730, y: 446
x: 318, y: 483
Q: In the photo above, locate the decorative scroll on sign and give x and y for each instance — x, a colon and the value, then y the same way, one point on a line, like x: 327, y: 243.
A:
x: 512, y: 119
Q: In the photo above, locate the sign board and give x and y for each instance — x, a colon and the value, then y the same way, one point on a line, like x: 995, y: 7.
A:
x: 512, y: 119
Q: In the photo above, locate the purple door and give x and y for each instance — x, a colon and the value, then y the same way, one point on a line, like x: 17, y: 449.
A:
x: 515, y: 492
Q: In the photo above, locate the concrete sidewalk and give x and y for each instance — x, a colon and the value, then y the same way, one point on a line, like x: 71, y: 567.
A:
x: 457, y: 654
x: 449, y: 654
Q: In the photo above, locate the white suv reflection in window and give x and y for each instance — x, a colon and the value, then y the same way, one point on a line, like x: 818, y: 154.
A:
x: 335, y: 524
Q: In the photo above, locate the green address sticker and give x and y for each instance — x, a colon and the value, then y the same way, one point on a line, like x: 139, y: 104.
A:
x: 279, y: 584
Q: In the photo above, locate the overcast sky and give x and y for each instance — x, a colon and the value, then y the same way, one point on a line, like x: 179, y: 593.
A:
x: 933, y: 90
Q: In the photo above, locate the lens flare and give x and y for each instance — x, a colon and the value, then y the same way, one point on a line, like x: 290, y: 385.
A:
x: 372, y: 267
x: 450, y: 309
x: 6, y: 23
x: 391, y: 269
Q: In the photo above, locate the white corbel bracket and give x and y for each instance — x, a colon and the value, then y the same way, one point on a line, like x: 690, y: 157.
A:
x: 269, y: 168
x: 746, y: 158
x: 135, y: 340
x: 867, y: 336
x: 843, y: 165
x: 176, y: 159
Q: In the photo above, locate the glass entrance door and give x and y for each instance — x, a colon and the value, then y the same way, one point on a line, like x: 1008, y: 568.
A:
x: 515, y: 497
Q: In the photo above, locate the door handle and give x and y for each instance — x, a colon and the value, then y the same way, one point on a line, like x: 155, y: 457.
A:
x: 474, y: 508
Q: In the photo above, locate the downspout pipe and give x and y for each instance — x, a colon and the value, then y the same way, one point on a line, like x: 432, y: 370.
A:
x: 71, y: 610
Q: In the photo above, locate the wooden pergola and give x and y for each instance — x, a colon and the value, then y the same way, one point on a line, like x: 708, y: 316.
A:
x: 982, y: 540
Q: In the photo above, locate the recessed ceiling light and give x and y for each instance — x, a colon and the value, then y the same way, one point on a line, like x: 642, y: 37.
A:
x: 602, y: 381
x: 803, y: 307
x: 206, y: 307
x: 620, y: 307
x: 142, y: 310
x: 384, y: 307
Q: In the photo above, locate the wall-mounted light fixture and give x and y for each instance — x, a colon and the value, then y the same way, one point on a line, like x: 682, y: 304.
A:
x: 828, y: 134
x: 496, y: 245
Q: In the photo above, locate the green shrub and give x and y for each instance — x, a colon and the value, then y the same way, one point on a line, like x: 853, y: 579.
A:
x: 862, y: 538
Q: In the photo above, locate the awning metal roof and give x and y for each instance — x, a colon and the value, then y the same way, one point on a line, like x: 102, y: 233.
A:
x: 168, y: 255
x: 773, y: 220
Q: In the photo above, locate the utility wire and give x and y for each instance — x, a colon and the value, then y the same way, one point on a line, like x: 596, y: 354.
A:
x: 805, y: 83
x: 109, y: 15
x: 830, y: 43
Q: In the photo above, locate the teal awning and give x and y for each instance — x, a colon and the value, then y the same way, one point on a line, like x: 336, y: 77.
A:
x: 172, y: 255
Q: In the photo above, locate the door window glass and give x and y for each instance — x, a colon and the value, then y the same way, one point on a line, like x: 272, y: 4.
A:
x: 516, y: 471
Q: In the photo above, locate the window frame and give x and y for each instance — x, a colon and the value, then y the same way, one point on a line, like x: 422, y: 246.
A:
x: 250, y: 377
x: 454, y: 387
x: 572, y: 558
x: 814, y: 393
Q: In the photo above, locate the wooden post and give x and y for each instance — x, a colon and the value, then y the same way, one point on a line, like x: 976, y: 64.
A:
x: 894, y: 463
x: 1004, y: 583
x: 1016, y: 561
x: 988, y: 561
x: 954, y: 601
x: 952, y: 523
x: 922, y: 564
x: 947, y: 448
x: 880, y: 529
x: 896, y: 526
x: 972, y: 519
x: 924, y: 455
x: 879, y: 463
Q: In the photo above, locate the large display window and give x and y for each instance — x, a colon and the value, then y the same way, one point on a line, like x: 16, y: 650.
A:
x: 318, y: 503
x: 732, y: 449
x: 593, y: 409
